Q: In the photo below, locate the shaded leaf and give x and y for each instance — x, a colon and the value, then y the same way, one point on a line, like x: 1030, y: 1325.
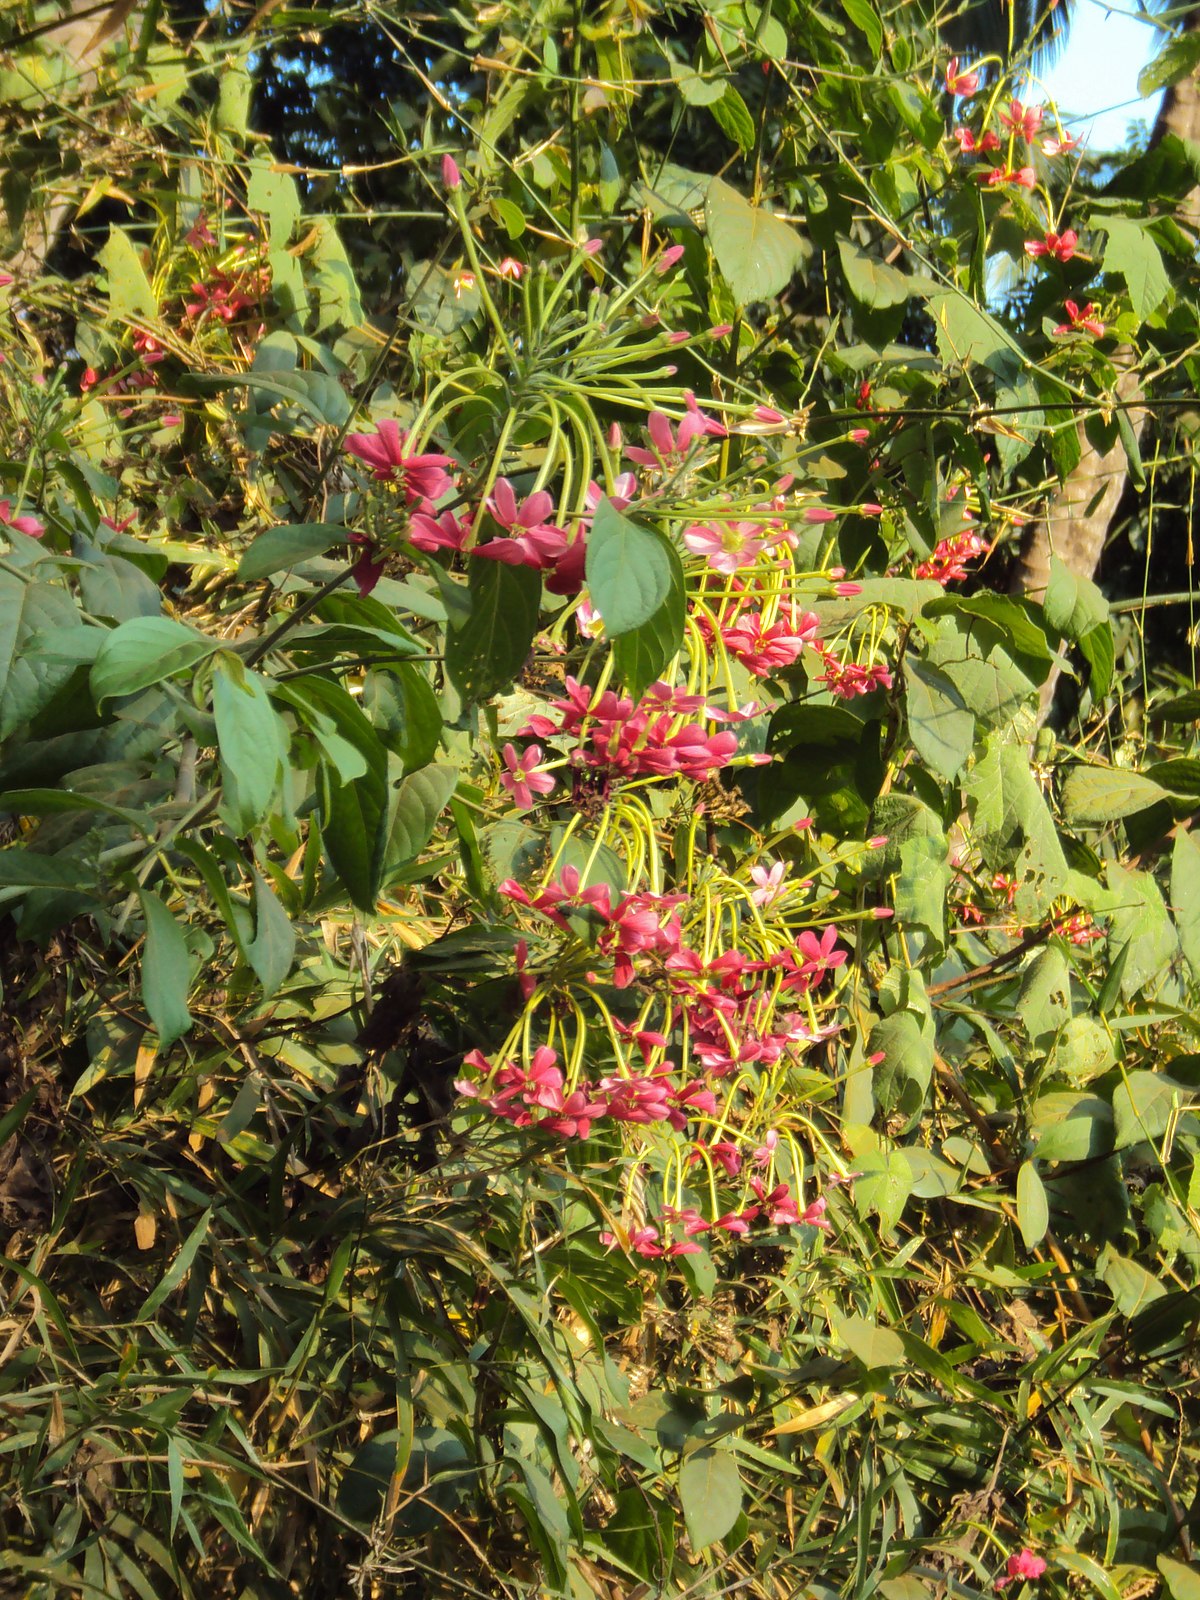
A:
x: 166, y: 971
x: 757, y: 252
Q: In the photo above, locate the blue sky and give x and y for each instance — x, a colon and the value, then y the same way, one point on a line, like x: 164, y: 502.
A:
x: 1095, y: 79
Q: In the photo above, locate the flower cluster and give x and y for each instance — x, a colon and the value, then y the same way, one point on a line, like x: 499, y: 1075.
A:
x: 948, y: 562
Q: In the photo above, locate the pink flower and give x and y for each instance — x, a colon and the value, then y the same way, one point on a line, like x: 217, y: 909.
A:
x: 30, y: 526
x: 960, y: 83
x: 1060, y: 146
x: 720, y: 330
x: 768, y: 648
x: 1024, y: 1565
x: 669, y: 257
x: 1084, y: 321
x: 704, y: 423
x: 644, y: 1241
x: 667, y: 445
x: 451, y: 177
x: 421, y: 477
x: 523, y: 778
x: 969, y: 146
x: 726, y: 547
x: 510, y: 267
x: 821, y: 955
x: 428, y: 532
x: 819, y: 514
x: 770, y: 884
x: 1059, y: 245
x: 1023, y: 120
x: 1023, y: 177
x: 947, y: 564
x: 534, y: 542
x: 593, y: 247
x: 814, y: 1216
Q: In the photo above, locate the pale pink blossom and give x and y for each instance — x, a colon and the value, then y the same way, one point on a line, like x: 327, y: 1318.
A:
x: 451, y: 178
x: 1062, y: 145
x: 510, y: 267
x: 726, y: 546
x: 770, y: 884
x: 960, y: 83
x: 1023, y: 120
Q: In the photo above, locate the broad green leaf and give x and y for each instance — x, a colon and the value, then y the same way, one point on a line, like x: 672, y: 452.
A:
x: 1182, y: 708
x: 695, y: 88
x: 1131, y: 1286
x: 145, y: 651
x: 335, y: 283
x: 732, y: 115
x: 253, y: 744
x: 902, y: 1078
x: 1105, y: 794
x: 1044, y: 1001
x: 641, y: 1533
x: 279, y: 549
x: 1006, y: 613
x: 1185, y: 896
x: 1177, y: 60
x: 39, y: 623
x: 757, y: 252
x: 922, y: 881
x: 1182, y: 1581
x: 872, y: 1345
x: 939, y: 723
x: 271, y: 950
x: 130, y: 296
x: 490, y: 650
x: 1140, y: 919
x: 274, y: 195
x: 403, y: 709
x: 1033, y: 1209
x: 884, y: 1187
x: 967, y: 335
x: 22, y: 870
x: 1073, y: 604
x: 1131, y: 252
x: 630, y: 572
x: 1011, y: 816
x: 863, y: 15
x: 166, y: 971
x: 710, y: 1491
x: 1144, y: 1104
x: 413, y: 810
x: 874, y: 284
x: 641, y: 655
x: 235, y: 90
x: 1071, y: 1127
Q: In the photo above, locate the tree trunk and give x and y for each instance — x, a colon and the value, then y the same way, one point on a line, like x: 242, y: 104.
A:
x: 1077, y: 517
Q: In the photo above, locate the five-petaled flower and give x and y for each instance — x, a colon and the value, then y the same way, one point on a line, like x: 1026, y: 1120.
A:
x: 523, y: 776
x: 1059, y: 245
x: 1081, y: 320
x: 969, y: 145
x: 960, y: 83
x: 1023, y: 120
x: 1024, y: 1566
x: 1062, y: 145
x: 422, y: 477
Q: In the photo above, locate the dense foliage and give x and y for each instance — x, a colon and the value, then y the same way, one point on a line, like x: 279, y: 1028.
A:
x: 563, y: 1030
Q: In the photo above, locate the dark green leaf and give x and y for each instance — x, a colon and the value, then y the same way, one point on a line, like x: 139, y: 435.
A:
x: 253, y: 743
x: 710, y: 1491
x: 1133, y: 254
x: 145, y: 651
x: 641, y: 655
x: 412, y: 815
x: 279, y: 549
x: 490, y: 650
x: 271, y: 950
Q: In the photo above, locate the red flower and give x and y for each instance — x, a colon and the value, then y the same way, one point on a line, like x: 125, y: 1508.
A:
x: 960, y: 83
x: 30, y: 526
x: 523, y: 776
x: 421, y: 477
x: 1084, y: 321
x: 1024, y: 1565
x: 1059, y: 245
x: 1023, y: 120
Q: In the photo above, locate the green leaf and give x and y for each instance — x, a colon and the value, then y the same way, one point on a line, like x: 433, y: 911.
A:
x: 1011, y: 816
x: 941, y: 727
x: 757, y: 252
x: 710, y: 1491
x: 1185, y: 896
x: 1131, y: 1286
x: 1131, y: 252
x: 732, y: 115
x: 412, y: 815
x: 130, y: 296
x: 1073, y: 604
x: 38, y: 621
x: 641, y: 1533
x: 166, y: 971
x: 1144, y: 1105
x: 274, y: 196
x: 967, y: 335
x: 1033, y: 1208
x: 902, y: 1078
x: 1093, y: 795
x: 253, y: 744
x: 874, y: 284
x: 1183, y: 1582
x: 1071, y: 1127
x: 145, y: 651
x: 279, y: 549
x: 1132, y: 449
x: 1010, y: 616
x: 490, y: 650
x: 629, y: 570
x: 271, y: 950
x: 404, y: 711
x: 22, y: 870
x: 1177, y: 60
x: 696, y: 89
x: 872, y: 1345
x: 641, y: 655
x: 862, y: 14
x: 1140, y: 919
x: 1044, y: 1001
x: 922, y: 881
